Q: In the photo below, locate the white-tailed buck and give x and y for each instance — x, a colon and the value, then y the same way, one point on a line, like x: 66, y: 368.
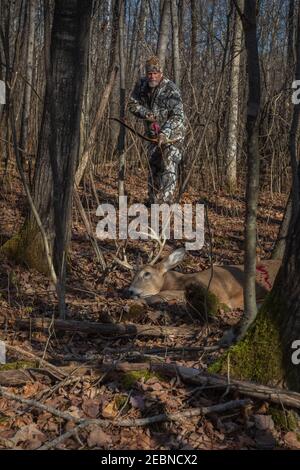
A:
x: 219, y: 285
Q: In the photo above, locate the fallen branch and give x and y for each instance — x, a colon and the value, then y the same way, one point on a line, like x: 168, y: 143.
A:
x: 107, y: 329
x: 251, y: 389
x: 198, y: 377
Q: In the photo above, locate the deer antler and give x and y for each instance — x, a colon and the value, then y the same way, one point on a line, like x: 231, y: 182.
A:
x: 123, y: 262
x: 161, y: 241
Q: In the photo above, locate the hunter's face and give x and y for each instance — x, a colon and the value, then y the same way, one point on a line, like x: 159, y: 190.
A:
x: 154, y: 78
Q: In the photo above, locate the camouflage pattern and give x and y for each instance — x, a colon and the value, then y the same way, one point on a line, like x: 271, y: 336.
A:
x: 163, y: 173
x: 164, y: 101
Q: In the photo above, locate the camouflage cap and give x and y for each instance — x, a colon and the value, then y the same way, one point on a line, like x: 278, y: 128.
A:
x: 153, y: 64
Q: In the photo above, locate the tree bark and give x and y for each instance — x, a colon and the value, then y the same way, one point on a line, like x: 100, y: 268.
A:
x: 253, y: 108
x: 24, y: 137
x: 113, y: 60
x: 175, y: 37
x: 194, y: 41
x: 121, y: 139
x: 164, y: 29
x: 141, y: 34
x: 293, y: 137
x: 233, y: 112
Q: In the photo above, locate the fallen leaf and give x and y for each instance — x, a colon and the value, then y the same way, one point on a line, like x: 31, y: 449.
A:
x: 31, y: 435
x: 110, y: 410
x: 91, y: 407
x: 290, y: 439
x: 98, y: 438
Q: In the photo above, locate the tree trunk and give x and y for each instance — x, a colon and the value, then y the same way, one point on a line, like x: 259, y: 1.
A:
x: 141, y: 34
x: 114, y: 55
x: 293, y: 62
x: 175, y: 37
x: 121, y: 139
x: 293, y: 137
x: 164, y: 29
x: 58, y: 141
x: 252, y: 189
x: 233, y: 112
x: 194, y: 41
x: 24, y: 137
x: 291, y: 53
x: 280, y: 244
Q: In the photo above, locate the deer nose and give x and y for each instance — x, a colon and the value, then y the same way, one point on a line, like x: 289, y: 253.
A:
x: 132, y: 293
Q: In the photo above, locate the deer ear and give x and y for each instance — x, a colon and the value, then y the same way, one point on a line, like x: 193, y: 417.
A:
x: 172, y: 260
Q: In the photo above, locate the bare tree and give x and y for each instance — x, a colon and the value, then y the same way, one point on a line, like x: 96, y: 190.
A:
x: 253, y: 108
x: 293, y: 138
x: 233, y: 104
x: 164, y: 29
x: 31, y: 10
x: 175, y: 37
x: 121, y: 139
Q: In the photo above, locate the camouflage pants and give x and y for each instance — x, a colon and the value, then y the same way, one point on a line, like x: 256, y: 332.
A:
x: 163, y: 173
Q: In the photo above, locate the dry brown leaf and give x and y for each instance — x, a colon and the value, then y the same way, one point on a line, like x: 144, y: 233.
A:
x: 31, y: 435
x: 31, y: 389
x: 91, y: 407
x: 291, y: 440
x: 110, y: 410
x: 98, y: 438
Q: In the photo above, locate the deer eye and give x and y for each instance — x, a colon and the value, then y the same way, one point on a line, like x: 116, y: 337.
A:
x: 147, y: 274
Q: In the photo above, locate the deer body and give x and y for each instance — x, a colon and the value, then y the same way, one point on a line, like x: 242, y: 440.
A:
x: 226, y: 282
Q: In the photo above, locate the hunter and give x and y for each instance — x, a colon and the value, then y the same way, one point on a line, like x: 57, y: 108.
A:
x: 157, y: 101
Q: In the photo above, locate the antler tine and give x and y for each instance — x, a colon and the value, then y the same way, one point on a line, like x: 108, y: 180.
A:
x: 161, y: 243
x: 123, y: 262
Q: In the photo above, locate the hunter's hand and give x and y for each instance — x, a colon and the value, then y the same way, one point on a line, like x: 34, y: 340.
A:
x: 162, y: 140
x: 150, y: 117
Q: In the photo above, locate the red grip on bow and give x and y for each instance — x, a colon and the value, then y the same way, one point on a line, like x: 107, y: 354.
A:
x: 155, y: 127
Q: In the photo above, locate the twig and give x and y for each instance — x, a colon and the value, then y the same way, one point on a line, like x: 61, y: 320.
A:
x: 63, y: 437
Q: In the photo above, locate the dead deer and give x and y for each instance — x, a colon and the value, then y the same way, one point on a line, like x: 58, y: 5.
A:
x: 158, y: 281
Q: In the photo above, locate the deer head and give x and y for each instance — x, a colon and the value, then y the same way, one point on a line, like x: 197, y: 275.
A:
x: 150, y: 279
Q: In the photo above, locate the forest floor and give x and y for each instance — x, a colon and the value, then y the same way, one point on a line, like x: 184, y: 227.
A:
x: 84, y: 382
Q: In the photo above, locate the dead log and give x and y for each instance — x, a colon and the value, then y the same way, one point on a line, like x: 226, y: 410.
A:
x: 106, y: 329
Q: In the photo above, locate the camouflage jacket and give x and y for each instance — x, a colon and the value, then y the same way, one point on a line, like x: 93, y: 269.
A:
x: 164, y: 102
